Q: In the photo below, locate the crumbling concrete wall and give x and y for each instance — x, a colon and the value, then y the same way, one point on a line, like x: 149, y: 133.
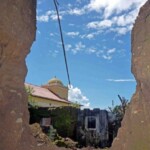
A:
x: 93, y: 128
x: 135, y: 131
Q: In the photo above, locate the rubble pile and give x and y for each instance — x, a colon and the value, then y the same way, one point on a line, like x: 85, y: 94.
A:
x: 41, y: 138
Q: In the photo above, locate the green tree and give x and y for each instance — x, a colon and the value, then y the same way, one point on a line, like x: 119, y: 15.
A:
x: 118, y: 111
x: 29, y: 91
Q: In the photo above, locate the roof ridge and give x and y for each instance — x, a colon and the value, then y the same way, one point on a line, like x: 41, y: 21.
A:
x: 46, y: 90
x: 34, y: 85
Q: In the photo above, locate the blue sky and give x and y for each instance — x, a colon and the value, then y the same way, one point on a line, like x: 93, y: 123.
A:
x: 97, y: 36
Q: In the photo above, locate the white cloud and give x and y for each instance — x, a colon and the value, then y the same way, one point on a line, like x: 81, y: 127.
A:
x: 121, y: 80
x: 99, y: 53
x: 49, y: 12
x: 87, y: 36
x: 90, y: 35
x: 120, y: 30
x: 51, y: 34
x: 72, y: 34
x: 43, y: 18
x: 53, y: 53
x: 110, y: 51
x: 76, y: 95
x: 68, y: 47
x: 108, y: 54
x: 48, y: 15
x: 78, y: 47
x: 100, y: 24
x: 91, y: 50
x: 76, y: 11
x: 108, y: 57
x: 119, y: 15
x: 86, y: 105
x: 107, y: 7
x: 54, y: 17
x: 125, y: 19
x: 105, y: 53
x: 114, y: 7
x: 119, y: 24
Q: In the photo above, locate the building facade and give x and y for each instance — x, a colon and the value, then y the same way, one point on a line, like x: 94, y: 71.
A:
x: 94, y: 128
x: 53, y: 94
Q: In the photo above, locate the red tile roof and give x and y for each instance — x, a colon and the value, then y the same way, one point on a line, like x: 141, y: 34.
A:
x: 45, y: 93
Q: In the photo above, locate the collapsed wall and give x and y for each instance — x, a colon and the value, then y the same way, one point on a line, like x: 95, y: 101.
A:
x: 135, y: 131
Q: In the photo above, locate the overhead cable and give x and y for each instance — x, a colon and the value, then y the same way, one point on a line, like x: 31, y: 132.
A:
x: 62, y: 40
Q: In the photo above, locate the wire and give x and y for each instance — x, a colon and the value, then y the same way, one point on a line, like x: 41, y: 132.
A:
x: 62, y: 40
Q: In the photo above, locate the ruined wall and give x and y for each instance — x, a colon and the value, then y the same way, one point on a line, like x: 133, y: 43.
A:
x: 17, y: 32
x: 135, y: 131
x: 92, y: 129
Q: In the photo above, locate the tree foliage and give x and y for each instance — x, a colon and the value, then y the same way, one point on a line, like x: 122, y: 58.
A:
x: 31, y: 103
x: 119, y: 110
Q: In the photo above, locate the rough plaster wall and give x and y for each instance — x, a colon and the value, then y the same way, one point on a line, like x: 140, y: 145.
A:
x: 135, y: 131
x: 17, y: 32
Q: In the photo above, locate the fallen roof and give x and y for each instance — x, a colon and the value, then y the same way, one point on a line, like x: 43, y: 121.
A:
x: 45, y: 93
